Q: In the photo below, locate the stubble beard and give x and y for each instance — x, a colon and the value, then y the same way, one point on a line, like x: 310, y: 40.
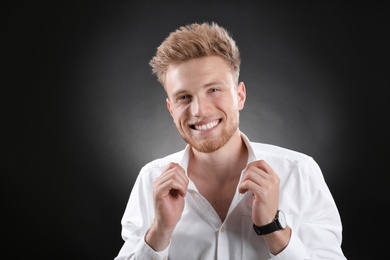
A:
x: 209, y: 145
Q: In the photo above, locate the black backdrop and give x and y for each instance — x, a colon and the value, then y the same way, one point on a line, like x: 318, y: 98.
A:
x: 83, y: 113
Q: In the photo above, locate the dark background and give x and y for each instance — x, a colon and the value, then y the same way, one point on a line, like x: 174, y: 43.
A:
x: 83, y: 113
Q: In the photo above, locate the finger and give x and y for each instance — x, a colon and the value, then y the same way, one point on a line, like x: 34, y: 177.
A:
x: 251, y: 173
x: 181, y: 174
x: 242, y: 187
x: 255, y: 175
x: 260, y: 172
x: 174, y: 187
x: 170, y: 186
x: 247, y: 185
x: 262, y: 165
x: 176, y: 172
x: 257, y: 180
x: 173, y: 178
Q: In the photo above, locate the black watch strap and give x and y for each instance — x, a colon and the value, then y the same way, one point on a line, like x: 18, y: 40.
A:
x: 267, y: 229
x: 278, y: 223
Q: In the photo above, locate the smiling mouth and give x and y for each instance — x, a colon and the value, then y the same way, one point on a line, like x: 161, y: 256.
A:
x: 205, y: 127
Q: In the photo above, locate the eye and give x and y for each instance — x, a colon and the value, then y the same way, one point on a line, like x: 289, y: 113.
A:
x: 183, y: 97
x: 213, y: 90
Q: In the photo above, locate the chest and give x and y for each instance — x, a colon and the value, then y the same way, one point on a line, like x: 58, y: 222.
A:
x: 218, y: 196
x: 202, y: 233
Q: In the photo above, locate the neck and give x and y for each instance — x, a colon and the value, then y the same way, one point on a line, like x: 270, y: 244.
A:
x: 224, y: 164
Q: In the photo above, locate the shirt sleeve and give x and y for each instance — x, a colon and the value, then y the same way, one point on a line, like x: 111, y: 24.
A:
x: 137, y: 219
x: 143, y: 251
x: 294, y: 250
x: 319, y: 233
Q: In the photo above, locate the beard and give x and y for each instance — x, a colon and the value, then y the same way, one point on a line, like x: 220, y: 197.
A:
x: 209, y: 144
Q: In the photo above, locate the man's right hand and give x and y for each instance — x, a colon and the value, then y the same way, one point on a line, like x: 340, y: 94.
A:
x: 169, y: 191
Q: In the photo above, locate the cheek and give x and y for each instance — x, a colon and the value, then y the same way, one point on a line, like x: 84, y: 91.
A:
x: 230, y: 103
x: 178, y: 115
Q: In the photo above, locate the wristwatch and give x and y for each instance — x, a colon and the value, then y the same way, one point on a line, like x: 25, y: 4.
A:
x: 279, y: 223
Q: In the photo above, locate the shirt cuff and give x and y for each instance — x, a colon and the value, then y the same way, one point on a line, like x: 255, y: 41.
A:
x: 144, y: 251
x: 295, y: 250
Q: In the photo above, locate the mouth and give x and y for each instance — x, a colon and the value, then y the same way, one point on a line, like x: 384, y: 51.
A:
x: 205, y: 126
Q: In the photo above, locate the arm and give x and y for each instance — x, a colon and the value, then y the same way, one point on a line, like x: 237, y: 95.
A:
x: 315, y: 228
x: 264, y: 184
x: 169, y: 191
x: 141, y: 222
x: 319, y: 230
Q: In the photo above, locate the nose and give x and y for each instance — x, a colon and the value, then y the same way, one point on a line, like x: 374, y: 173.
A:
x: 200, y: 106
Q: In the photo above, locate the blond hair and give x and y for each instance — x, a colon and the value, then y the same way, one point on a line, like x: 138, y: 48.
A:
x: 196, y: 41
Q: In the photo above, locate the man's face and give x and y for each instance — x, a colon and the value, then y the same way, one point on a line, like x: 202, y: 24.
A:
x: 204, y: 101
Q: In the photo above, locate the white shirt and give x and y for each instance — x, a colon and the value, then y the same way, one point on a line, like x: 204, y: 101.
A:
x: 304, y: 198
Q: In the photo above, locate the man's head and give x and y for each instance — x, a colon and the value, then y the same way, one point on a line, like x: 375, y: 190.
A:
x: 195, y: 41
x: 198, y: 65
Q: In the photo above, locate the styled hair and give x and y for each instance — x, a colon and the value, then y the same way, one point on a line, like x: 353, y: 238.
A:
x: 195, y: 41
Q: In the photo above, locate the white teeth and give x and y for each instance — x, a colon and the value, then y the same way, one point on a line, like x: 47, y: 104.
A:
x: 206, y: 126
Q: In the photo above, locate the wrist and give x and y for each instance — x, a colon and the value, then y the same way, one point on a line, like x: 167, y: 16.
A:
x: 158, y: 238
x: 278, y: 223
x: 278, y: 241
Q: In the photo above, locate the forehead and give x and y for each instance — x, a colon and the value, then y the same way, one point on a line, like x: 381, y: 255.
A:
x: 197, y: 72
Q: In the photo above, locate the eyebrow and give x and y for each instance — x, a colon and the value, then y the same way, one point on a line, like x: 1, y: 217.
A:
x: 212, y: 83
x: 178, y: 93
x: 209, y: 84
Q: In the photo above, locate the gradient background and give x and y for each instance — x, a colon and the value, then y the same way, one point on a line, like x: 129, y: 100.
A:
x: 83, y: 113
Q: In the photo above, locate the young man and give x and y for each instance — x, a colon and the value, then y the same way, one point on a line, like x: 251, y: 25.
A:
x: 223, y: 197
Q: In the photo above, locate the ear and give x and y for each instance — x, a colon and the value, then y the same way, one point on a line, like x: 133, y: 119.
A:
x: 169, y: 106
x: 241, y: 94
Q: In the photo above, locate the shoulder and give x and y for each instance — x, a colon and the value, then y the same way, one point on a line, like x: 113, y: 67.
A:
x: 154, y: 168
x: 263, y: 150
x: 161, y: 163
x: 296, y: 169
x: 285, y: 160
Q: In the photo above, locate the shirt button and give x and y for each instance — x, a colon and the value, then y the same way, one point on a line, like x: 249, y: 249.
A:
x: 222, y: 229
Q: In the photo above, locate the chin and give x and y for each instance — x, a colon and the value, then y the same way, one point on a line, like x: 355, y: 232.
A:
x: 207, y: 148
x: 209, y: 145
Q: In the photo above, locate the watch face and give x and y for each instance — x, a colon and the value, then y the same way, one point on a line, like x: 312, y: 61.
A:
x: 282, y: 219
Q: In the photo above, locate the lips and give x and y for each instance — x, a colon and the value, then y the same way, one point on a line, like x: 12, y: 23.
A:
x: 204, y: 127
